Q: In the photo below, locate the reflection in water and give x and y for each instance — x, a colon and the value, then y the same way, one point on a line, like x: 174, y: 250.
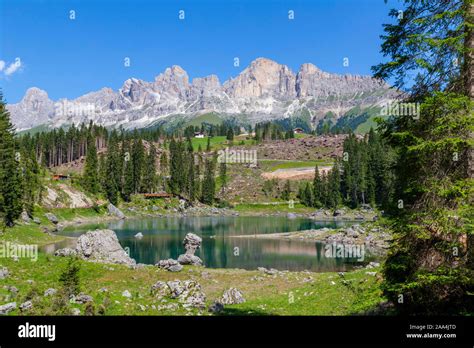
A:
x: 162, y: 238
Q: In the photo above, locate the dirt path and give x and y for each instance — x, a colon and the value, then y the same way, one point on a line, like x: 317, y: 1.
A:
x: 294, y: 173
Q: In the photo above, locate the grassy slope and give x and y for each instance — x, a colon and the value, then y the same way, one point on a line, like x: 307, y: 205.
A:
x: 284, y: 294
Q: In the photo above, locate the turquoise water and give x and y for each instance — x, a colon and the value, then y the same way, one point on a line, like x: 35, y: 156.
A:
x: 163, y: 239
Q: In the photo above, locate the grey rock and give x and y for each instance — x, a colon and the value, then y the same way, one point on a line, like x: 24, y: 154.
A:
x: 291, y: 216
x: 102, y: 246
x: 170, y: 265
x: 50, y: 292
x: 25, y: 217
x: 83, y: 298
x: 160, y: 289
x: 126, y: 294
x: 26, y: 305
x: 232, y: 296
x: 52, y: 218
x: 139, y: 235
x: 338, y: 212
x: 65, y: 252
x: 36, y: 220
x: 264, y: 90
x: 75, y: 311
x: 7, y: 308
x: 4, y: 273
x: 113, y: 210
x: 191, y: 243
x: 187, y: 259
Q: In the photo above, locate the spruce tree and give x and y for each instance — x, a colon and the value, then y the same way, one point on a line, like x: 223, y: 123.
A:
x: 285, y: 194
x: 208, y: 184
x: 11, y: 186
x: 113, y: 169
x: 317, y: 188
x: 223, y: 175
x: 150, y: 180
x: 91, y: 174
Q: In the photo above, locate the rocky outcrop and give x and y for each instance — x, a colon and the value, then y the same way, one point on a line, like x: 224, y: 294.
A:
x: 113, y: 210
x: 188, y: 292
x: 264, y: 90
x: 191, y: 243
x: 170, y: 265
x: 4, y: 273
x: 100, y: 246
x: 232, y: 296
x: 7, y: 308
x: 52, y: 218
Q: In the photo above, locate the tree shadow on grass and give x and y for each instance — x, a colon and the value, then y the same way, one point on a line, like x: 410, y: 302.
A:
x: 242, y: 312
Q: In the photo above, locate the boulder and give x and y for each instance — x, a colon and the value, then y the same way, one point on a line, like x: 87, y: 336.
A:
x: 139, y: 235
x: 232, y: 296
x: 4, y: 272
x: 25, y: 217
x: 187, y: 259
x: 102, y: 246
x: 26, y: 305
x: 52, y: 218
x: 191, y: 243
x: 50, y: 292
x: 83, y: 298
x: 338, y: 212
x: 160, y: 289
x: 170, y: 265
x: 126, y: 294
x: 291, y: 216
x: 6, y: 308
x: 65, y: 252
x: 113, y: 210
x: 36, y: 220
x: 188, y: 293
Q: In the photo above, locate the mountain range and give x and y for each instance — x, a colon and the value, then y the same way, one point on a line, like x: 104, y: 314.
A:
x: 265, y: 90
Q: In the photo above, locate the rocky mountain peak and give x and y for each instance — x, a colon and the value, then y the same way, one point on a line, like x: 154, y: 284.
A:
x: 262, y: 91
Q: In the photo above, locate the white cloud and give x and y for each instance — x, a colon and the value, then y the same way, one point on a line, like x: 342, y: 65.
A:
x: 13, y: 67
x: 2, y: 65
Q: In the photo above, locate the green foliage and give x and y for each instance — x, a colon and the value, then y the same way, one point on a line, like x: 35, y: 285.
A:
x: 208, y: 184
x: 90, y: 177
x: 10, y: 176
x: 429, y: 263
x: 70, y: 278
x: 426, y: 42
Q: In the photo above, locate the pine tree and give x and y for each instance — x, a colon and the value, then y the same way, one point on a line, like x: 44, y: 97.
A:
x: 285, y: 194
x: 191, y: 178
x: 434, y: 187
x: 334, y: 187
x: 208, y: 147
x: 138, y: 160
x: 11, y: 186
x: 223, y: 175
x: 317, y: 188
x: 150, y: 179
x: 128, y: 173
x: 208, y: 184
x: 91, y: 175
x: 31, y: 181
x: 113, y: 171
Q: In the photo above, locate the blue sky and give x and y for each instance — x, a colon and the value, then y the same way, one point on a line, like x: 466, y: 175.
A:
x: 68, y: 58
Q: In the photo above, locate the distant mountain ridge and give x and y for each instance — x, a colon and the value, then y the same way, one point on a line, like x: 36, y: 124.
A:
x: 265, y: 90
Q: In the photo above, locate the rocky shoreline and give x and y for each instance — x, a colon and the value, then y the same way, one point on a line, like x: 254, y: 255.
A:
x: 370, y: 236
